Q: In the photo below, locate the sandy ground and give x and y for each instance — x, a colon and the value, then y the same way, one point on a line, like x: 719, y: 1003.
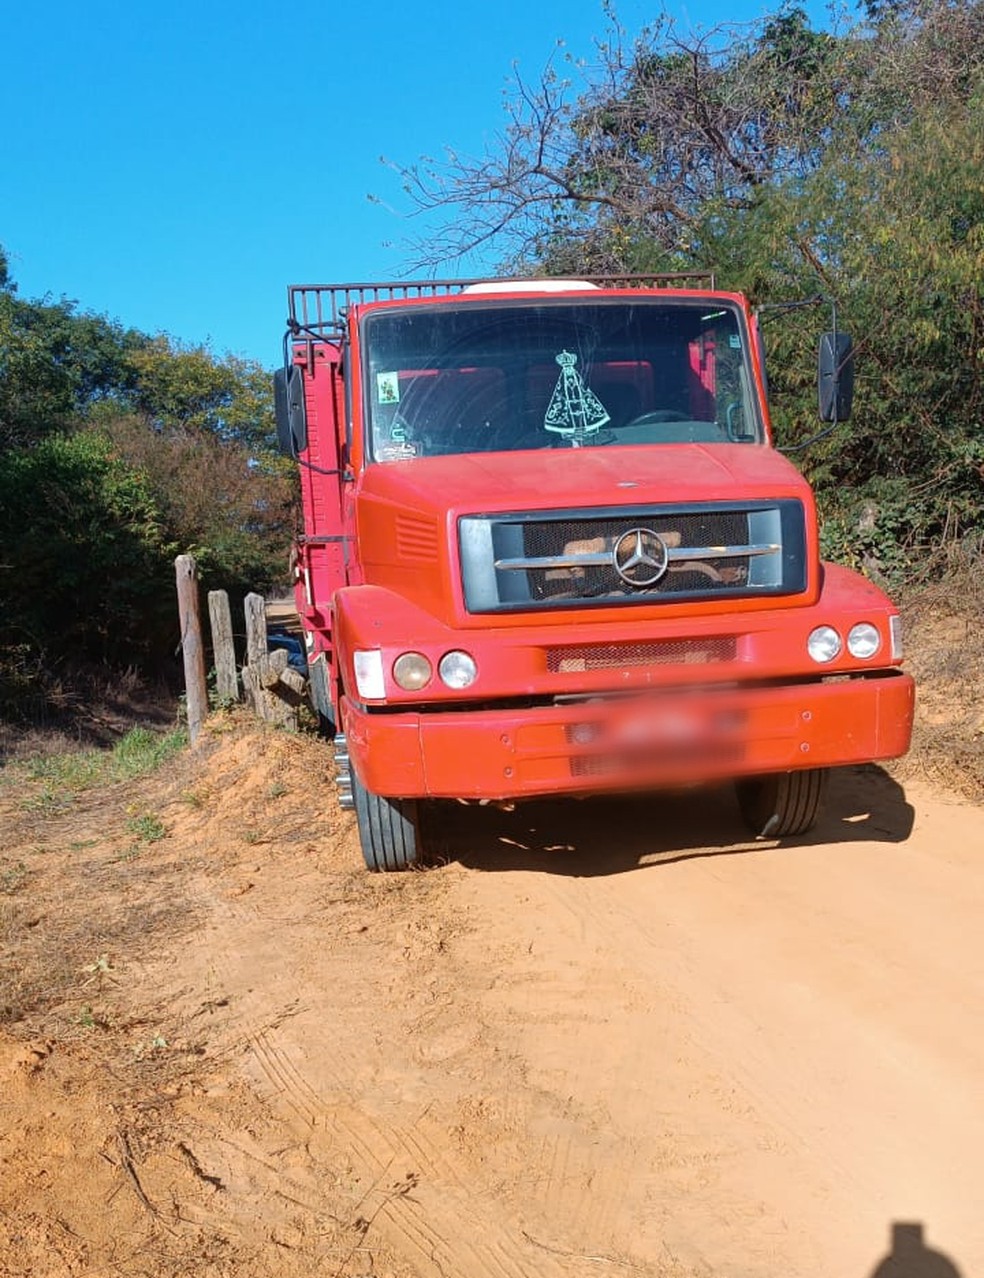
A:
x: 603, y: 1038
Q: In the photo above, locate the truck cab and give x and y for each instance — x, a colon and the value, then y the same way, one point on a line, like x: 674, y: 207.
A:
x: 549, y: 548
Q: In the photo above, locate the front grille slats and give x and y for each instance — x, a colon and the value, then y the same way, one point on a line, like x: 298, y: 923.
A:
x: 604, y: 558
x: 545, y: 559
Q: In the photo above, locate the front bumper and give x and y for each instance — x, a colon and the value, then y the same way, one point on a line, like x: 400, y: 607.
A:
x: 587, y: 748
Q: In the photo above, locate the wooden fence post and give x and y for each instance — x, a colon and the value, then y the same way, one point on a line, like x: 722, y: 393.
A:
x: 256, y: 651
x: 186, y: 574
x: 274, y: 691
x: 223, y: 647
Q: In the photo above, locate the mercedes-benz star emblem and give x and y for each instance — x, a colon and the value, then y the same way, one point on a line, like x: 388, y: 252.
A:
x: 640, y: 557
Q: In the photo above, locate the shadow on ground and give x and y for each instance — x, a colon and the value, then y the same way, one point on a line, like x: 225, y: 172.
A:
x: 910, y: 1257
x: 611, y: 835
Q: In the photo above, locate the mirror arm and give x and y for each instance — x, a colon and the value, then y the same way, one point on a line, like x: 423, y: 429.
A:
x: 814, y: 439
x: 833, y: 327
x: 768, y: 310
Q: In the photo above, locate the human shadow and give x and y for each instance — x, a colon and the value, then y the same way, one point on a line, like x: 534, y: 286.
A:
x: 911, y: 1258
x: 617, y: 833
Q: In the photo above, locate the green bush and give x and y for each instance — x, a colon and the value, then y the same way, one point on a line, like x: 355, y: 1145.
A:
x: 85, y: 567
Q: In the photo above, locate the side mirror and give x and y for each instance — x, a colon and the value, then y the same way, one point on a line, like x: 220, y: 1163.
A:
x: 835, y: 377
x: 288, y: 407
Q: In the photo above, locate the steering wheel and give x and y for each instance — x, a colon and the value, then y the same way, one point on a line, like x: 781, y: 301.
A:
x: 657, y: 415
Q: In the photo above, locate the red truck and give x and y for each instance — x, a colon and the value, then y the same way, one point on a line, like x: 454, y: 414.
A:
x: 549, y: 548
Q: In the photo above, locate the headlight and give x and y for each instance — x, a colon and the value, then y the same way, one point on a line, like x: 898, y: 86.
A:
x: 412, y: 671
x: 823, y: 644
x: 457, y: 669
x: 863, y: 640
x: 369, y: 681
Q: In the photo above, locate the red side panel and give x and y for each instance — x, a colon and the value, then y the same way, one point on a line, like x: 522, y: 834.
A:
x: 322, y: 546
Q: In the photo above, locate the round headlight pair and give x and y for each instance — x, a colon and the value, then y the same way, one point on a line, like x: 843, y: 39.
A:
x: 825, y: 643
x: 413, y: 671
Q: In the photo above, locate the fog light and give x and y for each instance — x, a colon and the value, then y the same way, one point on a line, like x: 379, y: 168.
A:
x: 823, y: 644
x: 369, y: 681
x: 412, y: 671
x: 895, y: 630
x: 863, y: 640
x: 458, y: 669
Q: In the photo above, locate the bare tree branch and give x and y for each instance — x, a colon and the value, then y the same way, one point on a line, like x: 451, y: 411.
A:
x: 667, y: 127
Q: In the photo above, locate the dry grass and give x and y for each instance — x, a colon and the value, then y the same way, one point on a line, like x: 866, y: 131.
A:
x: 82, y: 707
x: 86, y: 871
x: 945, y: 653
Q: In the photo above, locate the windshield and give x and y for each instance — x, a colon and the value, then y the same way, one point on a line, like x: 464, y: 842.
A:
x: 494, y: 377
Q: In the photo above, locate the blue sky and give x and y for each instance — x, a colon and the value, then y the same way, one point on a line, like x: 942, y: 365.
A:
x: 177, y: 165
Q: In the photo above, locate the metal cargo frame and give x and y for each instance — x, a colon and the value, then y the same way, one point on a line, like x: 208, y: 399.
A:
x: 321, y: 308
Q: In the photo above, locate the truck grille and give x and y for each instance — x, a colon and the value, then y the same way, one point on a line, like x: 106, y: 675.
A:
x: 576, y: 658
x: 637, y: 555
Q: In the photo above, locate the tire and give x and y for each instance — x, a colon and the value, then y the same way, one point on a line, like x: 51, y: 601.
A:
x: 783, y: 803
x: 387, y: 829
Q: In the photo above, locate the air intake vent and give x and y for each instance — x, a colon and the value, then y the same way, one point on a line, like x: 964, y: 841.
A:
x: 416, y: 540
x: 571, y: 658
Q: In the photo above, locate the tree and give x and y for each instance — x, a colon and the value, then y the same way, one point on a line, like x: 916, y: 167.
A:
x: 226, y: 503
x: 189, y: 388
x: 55, y: 364
x: 84, y: 572
x: 671, y: 130
x: 117, y: 450
x: 665, y: 126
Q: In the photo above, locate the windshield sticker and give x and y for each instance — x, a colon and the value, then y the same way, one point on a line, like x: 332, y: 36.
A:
x: 396, y: 450
x: 574, y: 410
x: 388, y: 388
x: 734, y: 341
x: 397, y: 447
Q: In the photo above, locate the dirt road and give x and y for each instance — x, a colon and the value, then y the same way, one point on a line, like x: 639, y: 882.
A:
x: 602, y: 1038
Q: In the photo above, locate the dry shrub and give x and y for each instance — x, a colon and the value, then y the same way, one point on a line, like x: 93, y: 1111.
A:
x: 77, y: 706
x: 945, y: 654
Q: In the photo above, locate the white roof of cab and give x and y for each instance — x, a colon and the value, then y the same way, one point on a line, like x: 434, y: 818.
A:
x: 529, y: 286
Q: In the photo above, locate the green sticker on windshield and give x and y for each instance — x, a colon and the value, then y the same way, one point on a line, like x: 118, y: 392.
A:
x: 388, y: 388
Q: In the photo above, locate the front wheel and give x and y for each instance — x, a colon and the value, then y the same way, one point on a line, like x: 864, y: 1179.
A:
x: 387, y: 828
x: 782, y: 803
